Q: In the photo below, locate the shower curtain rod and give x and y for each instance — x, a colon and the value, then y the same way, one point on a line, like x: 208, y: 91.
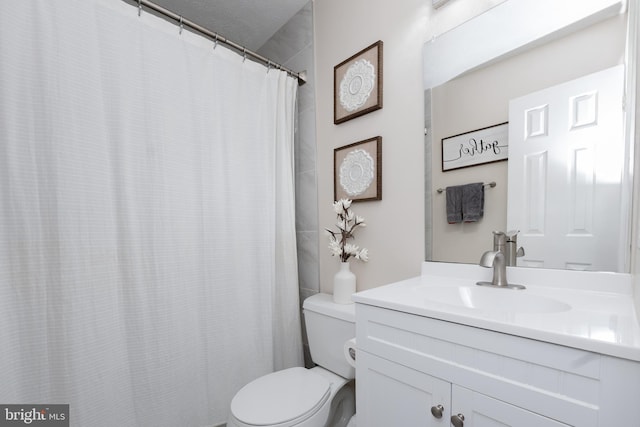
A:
x: 301, y: 76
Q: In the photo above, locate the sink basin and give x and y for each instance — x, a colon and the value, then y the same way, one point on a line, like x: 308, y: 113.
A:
x: 490, y: 299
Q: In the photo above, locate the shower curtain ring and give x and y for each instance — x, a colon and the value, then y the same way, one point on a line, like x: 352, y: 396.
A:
x: 139, y: 7
x: 215, y: 44
x: 244, y: 54
x: 268, y: 66
x: 181, y: 24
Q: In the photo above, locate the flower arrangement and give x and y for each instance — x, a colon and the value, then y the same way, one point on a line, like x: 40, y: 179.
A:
x: 347, y: 223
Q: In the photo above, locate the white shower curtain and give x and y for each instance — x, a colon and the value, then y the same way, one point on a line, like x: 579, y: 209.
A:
x: 147, y: 242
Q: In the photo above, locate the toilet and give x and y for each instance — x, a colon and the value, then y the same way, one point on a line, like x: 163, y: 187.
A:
x: 317, y: 397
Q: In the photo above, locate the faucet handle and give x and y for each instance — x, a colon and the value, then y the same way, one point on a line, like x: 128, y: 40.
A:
x: 512, y: 235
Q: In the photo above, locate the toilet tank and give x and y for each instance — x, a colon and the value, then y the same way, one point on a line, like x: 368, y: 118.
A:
x: 329, y: 326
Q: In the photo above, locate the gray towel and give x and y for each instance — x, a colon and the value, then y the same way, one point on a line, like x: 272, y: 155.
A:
x: 454, y: 204
x: 472, y: 202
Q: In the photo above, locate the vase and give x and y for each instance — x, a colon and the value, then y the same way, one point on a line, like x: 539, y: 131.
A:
x: 344, y: 285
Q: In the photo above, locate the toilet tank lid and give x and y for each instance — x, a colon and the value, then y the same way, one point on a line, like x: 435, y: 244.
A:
x: 323, y: 304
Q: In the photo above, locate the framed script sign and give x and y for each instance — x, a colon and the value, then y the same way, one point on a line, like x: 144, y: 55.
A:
x: 486, y: 145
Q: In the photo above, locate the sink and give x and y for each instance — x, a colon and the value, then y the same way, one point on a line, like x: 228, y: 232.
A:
x: 490, y: 299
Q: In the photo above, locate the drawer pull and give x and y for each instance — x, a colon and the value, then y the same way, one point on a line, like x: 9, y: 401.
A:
x: 437, y: 411
x: 457, y: 420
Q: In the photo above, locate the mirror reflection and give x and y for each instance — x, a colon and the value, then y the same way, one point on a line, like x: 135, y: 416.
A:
x: 538, y: 190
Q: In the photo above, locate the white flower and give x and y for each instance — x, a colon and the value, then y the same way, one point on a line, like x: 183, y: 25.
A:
x: 335, y: 248
x: 341, y: 205
x: 363, y: 255
x: 347, y: 223
x: 351, y: 249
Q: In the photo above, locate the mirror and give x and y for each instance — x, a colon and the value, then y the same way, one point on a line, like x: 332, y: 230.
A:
x: 471, y: 95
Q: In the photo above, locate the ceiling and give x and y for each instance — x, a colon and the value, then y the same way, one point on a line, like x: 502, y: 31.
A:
x: 249, y: 23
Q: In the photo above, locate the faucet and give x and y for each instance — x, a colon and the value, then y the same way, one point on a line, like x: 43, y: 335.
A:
x: 497, y: 260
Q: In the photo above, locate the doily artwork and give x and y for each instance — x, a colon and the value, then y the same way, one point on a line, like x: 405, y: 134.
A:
x: 357, y: 84
x: 356, y: 172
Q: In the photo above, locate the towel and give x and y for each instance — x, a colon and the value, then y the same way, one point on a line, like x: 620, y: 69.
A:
x: 454, y: 204
x: 472, y: 202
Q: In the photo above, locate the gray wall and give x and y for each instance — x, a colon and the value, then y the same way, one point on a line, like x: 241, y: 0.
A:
x: 292, y: 46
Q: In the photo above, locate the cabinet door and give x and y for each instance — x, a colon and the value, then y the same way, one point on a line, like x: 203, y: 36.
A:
x: 483, y: 411
x: 389, y: 394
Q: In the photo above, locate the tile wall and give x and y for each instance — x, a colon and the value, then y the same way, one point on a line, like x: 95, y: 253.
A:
x: 292, y: 46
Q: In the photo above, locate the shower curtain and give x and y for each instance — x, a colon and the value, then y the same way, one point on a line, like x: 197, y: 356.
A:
x: 147, y: 243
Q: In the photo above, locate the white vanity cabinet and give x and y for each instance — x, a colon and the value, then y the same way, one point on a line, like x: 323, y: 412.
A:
x: 408, y: 365
x: 396, y: 395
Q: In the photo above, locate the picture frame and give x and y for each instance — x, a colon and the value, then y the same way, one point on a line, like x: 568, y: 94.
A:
x: 357, y: 84
x: 485, y: 145
x: 357, y: 170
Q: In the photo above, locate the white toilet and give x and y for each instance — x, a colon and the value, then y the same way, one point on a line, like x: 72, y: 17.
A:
x: 317, y: 397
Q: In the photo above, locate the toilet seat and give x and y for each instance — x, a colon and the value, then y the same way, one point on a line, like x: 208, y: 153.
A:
x: 285, y: 397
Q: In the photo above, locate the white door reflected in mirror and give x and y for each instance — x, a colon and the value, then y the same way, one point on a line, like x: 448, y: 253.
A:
x: 569, y: 138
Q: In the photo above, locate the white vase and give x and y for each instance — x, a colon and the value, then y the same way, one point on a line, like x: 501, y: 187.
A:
x: 344, y: 285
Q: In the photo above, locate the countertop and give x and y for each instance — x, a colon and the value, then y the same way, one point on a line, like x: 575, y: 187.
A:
x: 600, y: 315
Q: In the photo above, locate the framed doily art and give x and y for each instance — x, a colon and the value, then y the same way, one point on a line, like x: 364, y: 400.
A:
x: 357, y: 84
x: 357, y: 170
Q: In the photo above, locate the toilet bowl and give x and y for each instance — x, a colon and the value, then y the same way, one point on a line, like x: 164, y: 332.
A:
x: 317, y: 397
x: 294, y: 397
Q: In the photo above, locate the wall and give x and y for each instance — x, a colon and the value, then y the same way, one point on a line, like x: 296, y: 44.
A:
x: 480, y: 99
x: 395, y: 234
x: 635, y: 98
x: 395, y: 225
x: 292, y: 46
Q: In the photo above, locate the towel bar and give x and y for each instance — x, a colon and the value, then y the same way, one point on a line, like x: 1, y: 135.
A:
x: 490, y: 184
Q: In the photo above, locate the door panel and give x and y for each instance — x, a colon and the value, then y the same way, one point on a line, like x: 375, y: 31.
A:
x: 395, y: 395
x: 566, y: 157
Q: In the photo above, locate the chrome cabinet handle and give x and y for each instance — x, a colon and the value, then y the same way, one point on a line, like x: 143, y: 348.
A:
x: 437, y: 411
x: 457, y: 420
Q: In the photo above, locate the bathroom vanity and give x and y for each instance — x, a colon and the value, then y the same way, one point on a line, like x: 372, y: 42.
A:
x: 437, y: 350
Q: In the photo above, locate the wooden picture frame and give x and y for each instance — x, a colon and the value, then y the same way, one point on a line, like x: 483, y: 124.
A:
x: 486, y: 145
x: 357, y: 84
x: 357, y: 170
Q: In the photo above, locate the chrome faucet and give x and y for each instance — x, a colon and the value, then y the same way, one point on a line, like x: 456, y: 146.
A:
x: 497, y: 260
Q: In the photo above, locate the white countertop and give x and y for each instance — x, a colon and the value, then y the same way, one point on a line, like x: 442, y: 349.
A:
x: 601, y: 316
